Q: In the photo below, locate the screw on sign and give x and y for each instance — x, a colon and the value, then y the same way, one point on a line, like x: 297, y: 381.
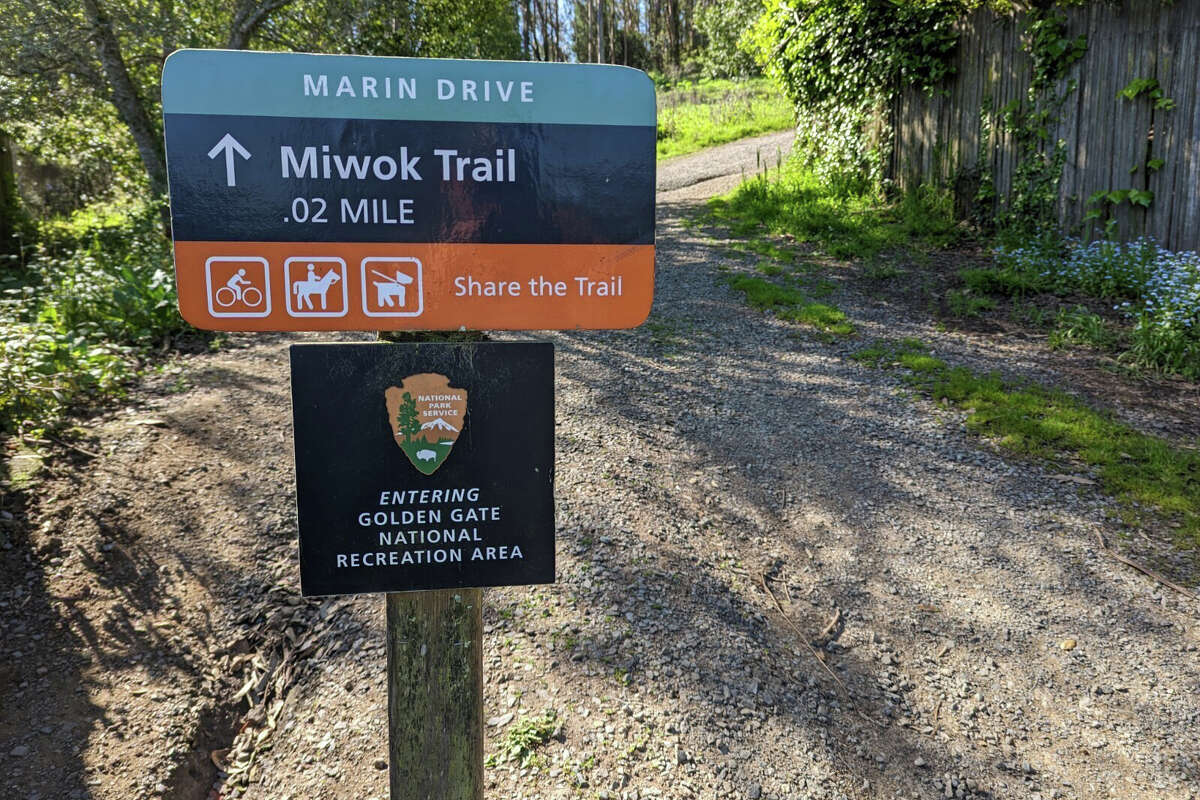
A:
x: 315, y: 192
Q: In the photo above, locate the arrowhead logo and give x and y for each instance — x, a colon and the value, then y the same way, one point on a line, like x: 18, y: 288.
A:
x: 426, y: 416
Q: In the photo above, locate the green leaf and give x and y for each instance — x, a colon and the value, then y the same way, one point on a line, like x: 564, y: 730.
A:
x: 1155, y: 164
x: 1136, y: 87
x: 1141, y: 198
x: 1118, y: 196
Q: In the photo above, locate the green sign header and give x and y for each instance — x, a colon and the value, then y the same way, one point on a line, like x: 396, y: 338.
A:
x: 237, y: 82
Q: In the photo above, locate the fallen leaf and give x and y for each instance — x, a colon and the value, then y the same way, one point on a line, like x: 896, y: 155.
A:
x: 1067, y: 644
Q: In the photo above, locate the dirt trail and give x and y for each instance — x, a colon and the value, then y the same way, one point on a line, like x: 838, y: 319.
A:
x: 779, y: 577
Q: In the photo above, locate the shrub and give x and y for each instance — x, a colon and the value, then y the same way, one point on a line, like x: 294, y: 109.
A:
x: 72, y: 325
x: 1158, y: 289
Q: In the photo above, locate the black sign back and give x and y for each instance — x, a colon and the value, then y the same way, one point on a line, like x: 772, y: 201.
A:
x: 423, y: 466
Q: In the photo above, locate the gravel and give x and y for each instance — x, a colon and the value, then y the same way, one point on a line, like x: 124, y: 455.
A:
x: 779, y: 576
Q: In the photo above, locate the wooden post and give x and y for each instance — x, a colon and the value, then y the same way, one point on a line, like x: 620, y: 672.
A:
x: 435, y: 676
x: 435, y: 694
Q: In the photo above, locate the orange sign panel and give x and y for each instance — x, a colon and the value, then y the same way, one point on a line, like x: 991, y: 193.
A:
x: 272, y: 286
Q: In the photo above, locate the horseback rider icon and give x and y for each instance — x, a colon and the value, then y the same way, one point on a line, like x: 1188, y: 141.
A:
x: 305, y: 289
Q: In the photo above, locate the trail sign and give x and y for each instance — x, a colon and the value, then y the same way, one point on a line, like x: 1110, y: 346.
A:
x: 431, y: 466
x: 316, y: 192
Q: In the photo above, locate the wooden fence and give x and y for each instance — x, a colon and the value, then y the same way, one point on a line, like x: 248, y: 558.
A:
x: 953, y: 136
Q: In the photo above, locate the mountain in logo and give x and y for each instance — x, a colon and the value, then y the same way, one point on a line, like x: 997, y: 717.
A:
x: 426, y: 415
x: 438, y: 424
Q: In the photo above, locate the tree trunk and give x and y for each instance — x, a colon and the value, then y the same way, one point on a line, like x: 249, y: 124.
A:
x: 129, y: 104
x: 600, y: 33
x: 526, y: 16
x: 10, y: 207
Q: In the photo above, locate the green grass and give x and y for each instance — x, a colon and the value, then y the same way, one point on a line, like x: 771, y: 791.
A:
x: 668, y: 334
x: 1005, y: 282
x: 692, y: 116
x: 790, y: 304
x: 1078, y: 326
x: 965, y: 303
x: 1037, y: 422
x: 846, y: 221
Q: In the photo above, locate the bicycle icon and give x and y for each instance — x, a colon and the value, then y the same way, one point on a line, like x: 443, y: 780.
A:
x: 234, y: 293
x: 238, y: 286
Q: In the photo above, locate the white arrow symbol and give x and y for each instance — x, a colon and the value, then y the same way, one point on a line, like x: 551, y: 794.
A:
x: 229, y: 145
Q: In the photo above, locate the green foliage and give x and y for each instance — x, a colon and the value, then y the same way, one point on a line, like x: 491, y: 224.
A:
x: 847, y: 51
x: 523, y: 738
x: 14, y: 222
x: 1102, y: 203
x: 426, y: 29
x: 72, y: 323
x: 44, y: 368
x: 406, y: 417
x: 1000, y: 281
x: 692, y: 116
x: 881, y: 354
x: 1037, y: 422
x: 723, y: 25
x: 1158, y: 290
x: 965, y: 303
x: 847, y: 220
x: 839, y: 61
x: 1053, y: 51
x: 1079, y: 326
x: 790, y: 304
x: 1030, y: 207
x: 1149, y: 87
x: 1165, y: 345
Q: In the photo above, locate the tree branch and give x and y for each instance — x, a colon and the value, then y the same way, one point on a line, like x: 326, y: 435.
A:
x: 247, y: 18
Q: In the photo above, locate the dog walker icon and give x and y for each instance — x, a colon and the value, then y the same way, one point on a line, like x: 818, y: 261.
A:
x: 392, y: 279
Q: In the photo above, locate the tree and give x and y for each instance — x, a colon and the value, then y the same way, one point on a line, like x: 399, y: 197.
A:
x: 10, y: 208
x: 406, y: 418
x: 115, y: 49
x: 418, y: 28
x: 723, y: 25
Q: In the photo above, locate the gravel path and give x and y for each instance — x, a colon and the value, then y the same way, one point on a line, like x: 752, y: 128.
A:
x: 734, y: 160
x: 780, y: 576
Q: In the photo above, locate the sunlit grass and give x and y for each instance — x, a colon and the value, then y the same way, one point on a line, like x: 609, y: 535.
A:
x: 791, y: 304
x: 692, y: 116
x: 1037, y: 422
x: 847, y: 221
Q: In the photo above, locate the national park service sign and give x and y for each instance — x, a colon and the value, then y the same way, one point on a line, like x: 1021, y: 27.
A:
x: 426, y: 416
x: 398, y: 488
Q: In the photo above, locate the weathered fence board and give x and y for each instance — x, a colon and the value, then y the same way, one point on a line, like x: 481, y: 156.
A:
x: 954, y: 136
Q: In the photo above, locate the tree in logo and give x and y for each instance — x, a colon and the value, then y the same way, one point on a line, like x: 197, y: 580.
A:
x: 406, y: 418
